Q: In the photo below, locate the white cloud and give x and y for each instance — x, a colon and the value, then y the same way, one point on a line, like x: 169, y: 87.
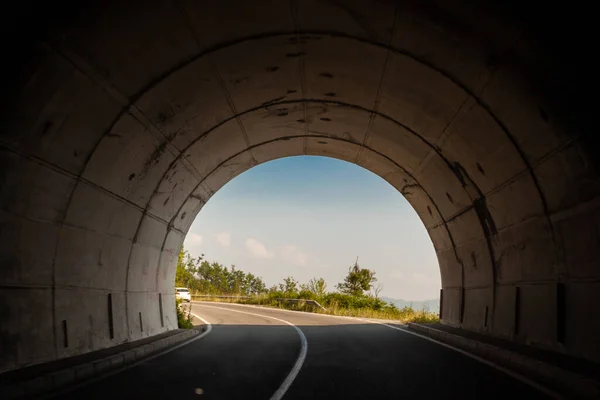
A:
x: 224, y: 239
x: 193, y: 239
x: 257, y: 248
x: 293, y: 255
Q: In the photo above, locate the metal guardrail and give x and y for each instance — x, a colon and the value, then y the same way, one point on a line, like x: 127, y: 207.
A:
x: 311, y: 302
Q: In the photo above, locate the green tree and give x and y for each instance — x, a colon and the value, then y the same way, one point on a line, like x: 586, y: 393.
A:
x: 357, y: 281
x: 187, y: 268
x: 273, y: 289
x: 289, y: 286
x: 205, y: 277
x: 254, y: 285
x: 317, y: 286
x: 235, y: 281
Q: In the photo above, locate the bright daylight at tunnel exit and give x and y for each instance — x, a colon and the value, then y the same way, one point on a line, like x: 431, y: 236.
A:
x: 310, y: 219
x: 289, y: 199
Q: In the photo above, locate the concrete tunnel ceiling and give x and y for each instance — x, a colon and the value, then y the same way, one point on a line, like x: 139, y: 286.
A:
x: 127, y: 119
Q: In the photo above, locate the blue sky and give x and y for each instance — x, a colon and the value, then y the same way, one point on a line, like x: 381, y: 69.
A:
x: 312, y: 216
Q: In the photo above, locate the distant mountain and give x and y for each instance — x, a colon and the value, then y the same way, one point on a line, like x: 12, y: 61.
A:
x: 432, y: 305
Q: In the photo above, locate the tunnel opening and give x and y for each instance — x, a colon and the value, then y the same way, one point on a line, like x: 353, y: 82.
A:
x: 290, y: 229
x: 113, y: 139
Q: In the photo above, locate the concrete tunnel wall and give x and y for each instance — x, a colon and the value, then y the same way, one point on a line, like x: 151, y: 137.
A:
x: 124, y: 119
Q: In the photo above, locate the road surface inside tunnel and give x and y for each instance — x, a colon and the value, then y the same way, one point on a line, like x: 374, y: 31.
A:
x: 256, y: 353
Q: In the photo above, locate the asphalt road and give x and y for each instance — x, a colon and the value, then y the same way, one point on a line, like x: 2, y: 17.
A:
x: 254, y: 353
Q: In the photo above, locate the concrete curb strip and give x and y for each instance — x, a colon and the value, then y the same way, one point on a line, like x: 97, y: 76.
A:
x: 78, y: 373
x: 578, y: 384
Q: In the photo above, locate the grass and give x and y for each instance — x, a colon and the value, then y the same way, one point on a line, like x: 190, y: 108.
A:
x: 183, y: 321
x: 364, y: 309
x: 404, y: 315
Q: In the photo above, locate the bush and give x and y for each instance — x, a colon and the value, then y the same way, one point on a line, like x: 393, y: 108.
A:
x: 183, y: 321
x: 307, y: 295
x: 342, y: 300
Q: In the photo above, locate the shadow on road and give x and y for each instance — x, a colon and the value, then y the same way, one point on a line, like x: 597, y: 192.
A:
x: 354, y: 360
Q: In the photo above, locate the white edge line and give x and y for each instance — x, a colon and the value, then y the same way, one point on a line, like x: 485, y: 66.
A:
x: 299, y: 361
x: 512, y: 374
x: 100, y: 377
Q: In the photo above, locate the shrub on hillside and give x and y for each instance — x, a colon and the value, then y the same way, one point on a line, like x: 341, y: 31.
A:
x: 183, y: 321
x: 307, y: 295
x: 342, y: 300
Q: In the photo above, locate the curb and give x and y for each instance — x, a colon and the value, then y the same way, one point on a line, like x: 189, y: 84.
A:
x: 76, y: 374
x: 576, y: 384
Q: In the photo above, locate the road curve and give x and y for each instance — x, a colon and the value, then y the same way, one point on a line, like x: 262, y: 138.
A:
x: 255, y: 353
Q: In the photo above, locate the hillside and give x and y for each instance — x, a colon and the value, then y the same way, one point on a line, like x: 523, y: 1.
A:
x: 432, y: 305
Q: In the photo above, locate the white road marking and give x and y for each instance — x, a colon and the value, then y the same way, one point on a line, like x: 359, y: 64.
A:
x: 508, y: 372
x: 299, y: 361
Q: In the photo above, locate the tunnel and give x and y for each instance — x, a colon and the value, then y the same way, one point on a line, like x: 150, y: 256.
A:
x: 121, y: 119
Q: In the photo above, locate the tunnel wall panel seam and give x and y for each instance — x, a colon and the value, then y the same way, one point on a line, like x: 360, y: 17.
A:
x: 503, y: 229
x: 536, y: 282
x: 444, y: 135
x: 78, y: 181
x: 564, y: 215
x: 232, y: 106
x: 302, y: 70
x: 94, y: 76
x: 468, y: 287
x: 125, y: 201
x: 62, y: 286
x: 379, y: 93
x: 32, y: 219
x: 162, y: 250
x: 128, y: 106
x: 503, y: 185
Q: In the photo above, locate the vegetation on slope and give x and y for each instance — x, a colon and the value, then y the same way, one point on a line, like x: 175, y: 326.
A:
x: 184, y: 321
x: 357, y: 295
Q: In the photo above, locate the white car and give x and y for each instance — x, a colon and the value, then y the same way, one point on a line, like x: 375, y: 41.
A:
x: 183, y: 293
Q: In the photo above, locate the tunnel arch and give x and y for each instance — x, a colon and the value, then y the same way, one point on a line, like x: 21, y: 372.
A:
x: 127, y: 118
x: 296, y: 216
